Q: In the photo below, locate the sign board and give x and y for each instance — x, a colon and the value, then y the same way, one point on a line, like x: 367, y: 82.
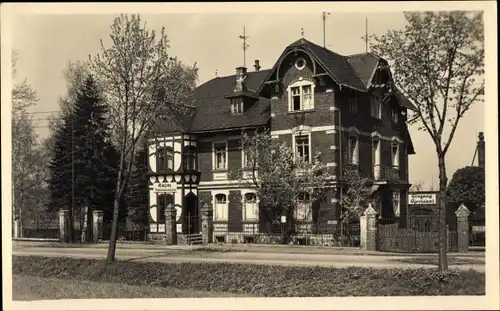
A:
x: 422, y: 198
x: 164, y: 187
x: 332, y: 222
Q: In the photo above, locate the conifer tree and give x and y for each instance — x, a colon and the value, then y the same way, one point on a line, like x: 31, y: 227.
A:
x: 82, y: 144
x: 137, y: 190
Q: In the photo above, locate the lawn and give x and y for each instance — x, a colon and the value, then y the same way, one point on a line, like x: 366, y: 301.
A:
x: 257, y: 280
x: 38, y: 288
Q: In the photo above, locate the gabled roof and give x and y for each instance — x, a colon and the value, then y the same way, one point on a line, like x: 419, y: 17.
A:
x: 212, y: 108
x: 364, y: 65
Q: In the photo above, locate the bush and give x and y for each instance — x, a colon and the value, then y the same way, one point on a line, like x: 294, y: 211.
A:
x: 260, y: 280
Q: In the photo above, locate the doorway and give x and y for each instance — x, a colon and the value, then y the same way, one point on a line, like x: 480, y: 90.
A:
x: 191, y: 223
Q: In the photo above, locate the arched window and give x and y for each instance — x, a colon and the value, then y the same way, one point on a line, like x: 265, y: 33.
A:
x: 303, y: 209
x: 165, y: 159
x: 190, y: 163
x: 250, y: 203
x: 164, y: 200
x: 220, y: 207
x: 301, y: 96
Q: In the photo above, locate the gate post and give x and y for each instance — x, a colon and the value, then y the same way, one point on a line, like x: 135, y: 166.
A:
x: 97, y: 222
x: 207, y: 224
x: 369, y: 236
x: 64, y: 227
x: 171, y: 225
x: 462, y: 228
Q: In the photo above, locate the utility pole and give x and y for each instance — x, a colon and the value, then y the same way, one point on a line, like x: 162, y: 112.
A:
x: 366, y: 37
x: 325, y: 14
x: 72, y: 209
x: 244, y: 37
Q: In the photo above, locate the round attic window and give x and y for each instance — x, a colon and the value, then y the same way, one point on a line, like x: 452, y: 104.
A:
x: 300, y: 63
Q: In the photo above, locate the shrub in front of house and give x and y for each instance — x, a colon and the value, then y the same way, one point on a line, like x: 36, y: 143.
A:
x: 260, y: 280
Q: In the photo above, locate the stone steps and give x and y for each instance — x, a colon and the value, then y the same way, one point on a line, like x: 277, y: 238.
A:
x: 195, y: 239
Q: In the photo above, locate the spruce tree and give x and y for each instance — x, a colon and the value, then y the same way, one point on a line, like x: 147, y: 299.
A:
x: 85, y: 133
x: 137, y: 190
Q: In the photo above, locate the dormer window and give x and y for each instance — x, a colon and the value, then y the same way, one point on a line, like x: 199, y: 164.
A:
x: 353, y: 105
x: 301, y: 96
x: 237, y: 106
x: 395, y: 117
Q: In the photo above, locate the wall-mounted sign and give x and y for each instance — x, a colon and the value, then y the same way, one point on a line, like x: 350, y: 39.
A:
x: 422, y: 198
x: 164, y: 187
x: 332, y: 222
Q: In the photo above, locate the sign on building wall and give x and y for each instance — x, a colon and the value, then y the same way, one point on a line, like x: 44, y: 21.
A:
x: 164, y: 187
x: 422, y: 198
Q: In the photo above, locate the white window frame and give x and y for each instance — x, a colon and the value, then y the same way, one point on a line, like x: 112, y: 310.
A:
x: 376, y: 156
x: 294, y: 144
x: 237, y: 106
x: 255, y: 207
x: 214, y: 156
x: 395, y: 155
x: 395, y: 116
x: 221, y: 215
x: 354, y: 156
x: 376, y: 106
x: 396, y: 202
x: 302, y: 208
x: 301, y: 84
x: 353, y: 104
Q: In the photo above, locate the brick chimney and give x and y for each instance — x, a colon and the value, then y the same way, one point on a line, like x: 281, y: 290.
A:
x: 256, y: 65
x: 241, y: 74
x: 480, y: 150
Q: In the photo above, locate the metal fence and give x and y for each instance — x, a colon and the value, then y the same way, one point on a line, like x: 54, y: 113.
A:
x: 477, y: 232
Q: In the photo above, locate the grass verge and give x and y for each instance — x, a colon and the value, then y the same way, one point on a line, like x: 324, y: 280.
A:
x: 37, y: 288
x: 259, y: 280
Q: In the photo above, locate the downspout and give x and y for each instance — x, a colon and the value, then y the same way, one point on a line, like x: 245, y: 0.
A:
x: 340, y: 170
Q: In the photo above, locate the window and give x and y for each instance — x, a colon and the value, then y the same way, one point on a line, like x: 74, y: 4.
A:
x: 237, y: 106
x: 300, y: 63
x: 250, y: 204
x: 395, y: 154
x: 303, y: 210
x: 353, y: 149
x: 220, y: 207
x: 353, y: 105
x: 376, y: 107
x: 220, y: 150
x: 190, y: 158
x: 163, y: 201
x: 301, y: 96
x: 376, y: 157
x: 396, y: 203
x: 302, y: 148
x: 395, y: 116
x: 165, y: 159
x: 246, y: 158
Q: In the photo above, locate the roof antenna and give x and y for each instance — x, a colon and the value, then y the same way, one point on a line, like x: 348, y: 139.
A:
x: 325, y: 14
x: 366, y: 37
x: 244, y: 37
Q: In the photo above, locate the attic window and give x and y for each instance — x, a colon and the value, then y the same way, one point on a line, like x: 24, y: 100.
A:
x: 300, y: 64
x: 237, y: 106
x: 301, y: 96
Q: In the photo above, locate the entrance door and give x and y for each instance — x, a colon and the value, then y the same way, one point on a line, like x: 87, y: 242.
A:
x: 192, y: 221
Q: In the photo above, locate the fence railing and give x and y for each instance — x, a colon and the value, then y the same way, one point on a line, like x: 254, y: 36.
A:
x: 477, y: 232
x: 384, y: 172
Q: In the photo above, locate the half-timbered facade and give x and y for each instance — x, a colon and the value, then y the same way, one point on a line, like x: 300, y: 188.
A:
x: 313, y: 98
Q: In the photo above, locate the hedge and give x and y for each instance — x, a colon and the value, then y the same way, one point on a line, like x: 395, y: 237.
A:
x: 260, y: 280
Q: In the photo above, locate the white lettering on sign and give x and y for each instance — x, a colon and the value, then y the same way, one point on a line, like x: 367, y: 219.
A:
x: 422, y: 198
x: 164, y: 187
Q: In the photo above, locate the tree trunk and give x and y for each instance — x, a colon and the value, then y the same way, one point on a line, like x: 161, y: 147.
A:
x: 443, y: 180
x: 114, y: 230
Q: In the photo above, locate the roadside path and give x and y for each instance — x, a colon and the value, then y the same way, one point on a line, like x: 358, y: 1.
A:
x: 273, y: 258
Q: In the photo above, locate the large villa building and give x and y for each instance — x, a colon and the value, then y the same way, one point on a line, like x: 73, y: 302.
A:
x: 313, y: 98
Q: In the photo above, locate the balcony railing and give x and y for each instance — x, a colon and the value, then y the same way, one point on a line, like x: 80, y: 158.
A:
x: 386, y: 173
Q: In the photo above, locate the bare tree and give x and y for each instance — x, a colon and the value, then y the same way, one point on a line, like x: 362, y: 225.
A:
x: 438, y: 63
x: 24, y: 143
x: 417, y: 186
x: 141, y: 84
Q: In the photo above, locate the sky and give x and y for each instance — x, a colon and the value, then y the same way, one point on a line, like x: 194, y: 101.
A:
x: 46, y: 43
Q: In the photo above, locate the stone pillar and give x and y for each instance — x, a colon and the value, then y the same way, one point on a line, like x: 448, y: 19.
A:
x: 368, y: 229
x: 462, y: 229
x: 171, y: 225
x: 97, y: 219
x: 207, y: 224
x: 64, y: 228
